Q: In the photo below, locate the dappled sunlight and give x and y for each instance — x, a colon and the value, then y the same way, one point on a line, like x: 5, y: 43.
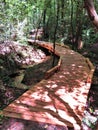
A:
x: 72, y: 52
x: 80, y: 66
x: 52, y: 86
x: 66, y: 73
x: 74, y: 100
x: 60, y: 99
x: 61, y: 76
x: 73, y: 65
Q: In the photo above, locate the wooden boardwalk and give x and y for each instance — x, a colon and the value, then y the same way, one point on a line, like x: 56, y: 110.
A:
x: 61, y: 98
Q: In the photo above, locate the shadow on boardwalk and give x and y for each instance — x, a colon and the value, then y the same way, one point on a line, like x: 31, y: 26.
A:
x: 59, y: 100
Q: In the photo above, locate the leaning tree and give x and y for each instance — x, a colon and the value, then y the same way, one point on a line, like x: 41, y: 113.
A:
x: 89, y: 5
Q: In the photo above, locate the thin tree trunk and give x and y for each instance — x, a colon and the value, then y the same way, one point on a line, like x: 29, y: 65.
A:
x: 62, y: 9
x: 71, y: 23
x: 55, y: 30
x: 79, y: 14
x: 44, y: 23
x: 47, y: 4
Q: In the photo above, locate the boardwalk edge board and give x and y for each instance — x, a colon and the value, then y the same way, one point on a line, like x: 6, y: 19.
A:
x: 92, y: 69
x: 49, y: 47
x: 54, y: 69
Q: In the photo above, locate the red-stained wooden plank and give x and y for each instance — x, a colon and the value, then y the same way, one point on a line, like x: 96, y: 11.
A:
x: 60, y: 99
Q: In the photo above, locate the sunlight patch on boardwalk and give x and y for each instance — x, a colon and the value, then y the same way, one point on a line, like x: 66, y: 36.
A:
x: 60, y: 99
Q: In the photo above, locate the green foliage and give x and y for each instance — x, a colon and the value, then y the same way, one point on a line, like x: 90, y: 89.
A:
x: 90, y: 36
x: 18, y: 17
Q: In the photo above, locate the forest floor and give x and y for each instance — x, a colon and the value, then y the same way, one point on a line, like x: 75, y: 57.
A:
x: 8, y: 94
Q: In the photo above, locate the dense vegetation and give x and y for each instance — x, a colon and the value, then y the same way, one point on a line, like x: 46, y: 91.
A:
x: 63, y: 20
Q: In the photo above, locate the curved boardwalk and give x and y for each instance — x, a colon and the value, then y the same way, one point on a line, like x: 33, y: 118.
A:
x: 60, y: 99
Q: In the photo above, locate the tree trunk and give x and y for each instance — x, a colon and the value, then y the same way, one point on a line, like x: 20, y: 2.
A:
x: 55, y: 30
x: 71, y: 21
x: 89, y: 5
x: 62, y: 9
x: 78, y: 29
